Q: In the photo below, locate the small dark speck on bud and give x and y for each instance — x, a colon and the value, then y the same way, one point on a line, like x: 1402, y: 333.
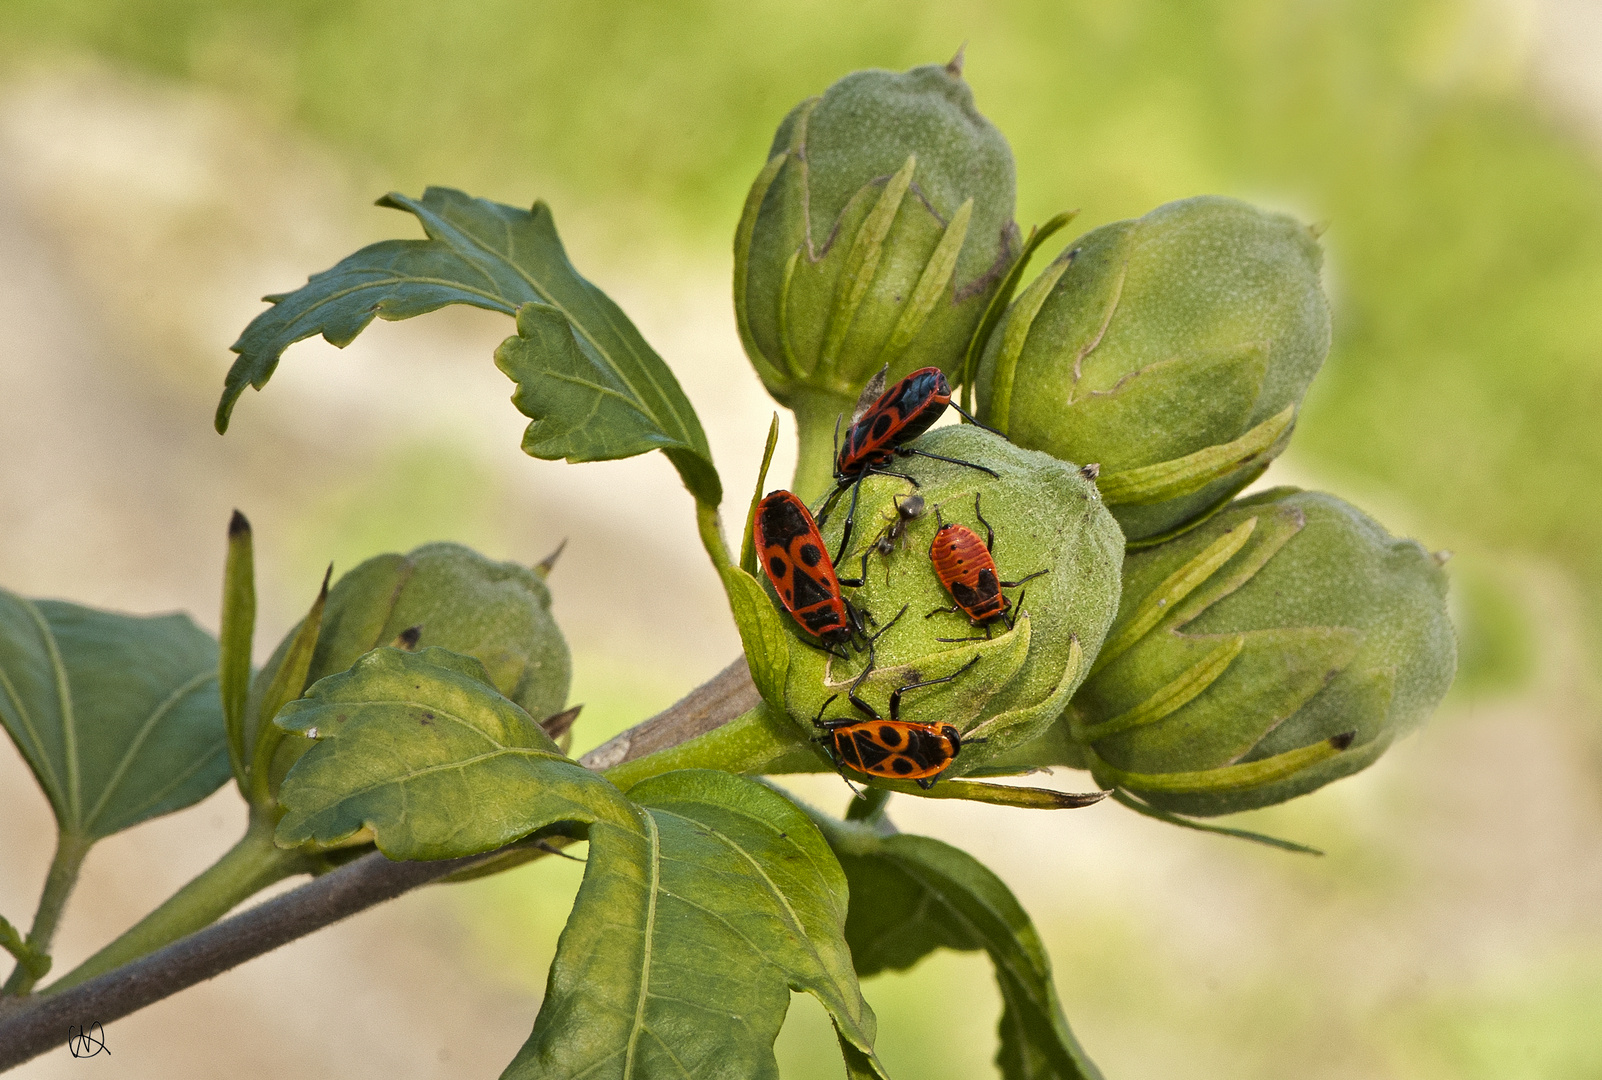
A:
x: 954, y: 68
x: 238, y: 525
x: 1441, y: 557
x: 1091, y: 471
x: 544, y: 567
x: 408, y: 638
x: 1343, y: 740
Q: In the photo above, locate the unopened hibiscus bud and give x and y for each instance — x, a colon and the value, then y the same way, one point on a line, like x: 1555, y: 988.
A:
x: 1172, y: 350
x: 449, y: 596
x: 1284, y: 643
x: 876, y: 234
x: 1047, y: 520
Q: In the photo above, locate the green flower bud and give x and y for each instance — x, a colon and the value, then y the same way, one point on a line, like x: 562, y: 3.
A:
x: 1172, y: 350
x: 1046, y: 516
x: 1283, y: 644
x: 456, y: 598
x: 876, y: 234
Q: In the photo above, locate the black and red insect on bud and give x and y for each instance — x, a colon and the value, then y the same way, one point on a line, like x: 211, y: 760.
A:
x: 894, y: 749
x: 882, y: 432
x: 966, y: 566
x: 798, y: 564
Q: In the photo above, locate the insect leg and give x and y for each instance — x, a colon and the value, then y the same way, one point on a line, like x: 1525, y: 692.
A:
x: 906, y: 450
x: 828, y: 502
x: 851, y: 514
x: 889, y: 624
x: 851, y: 692
x: 895, y: 698
x: 818, y: 720
x: 966, y: 415
x: 927, y: 782
x: 1020, y: 581
x: 990, y: 534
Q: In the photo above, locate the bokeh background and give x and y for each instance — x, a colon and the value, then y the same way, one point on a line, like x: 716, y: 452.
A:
x: 164, y: 163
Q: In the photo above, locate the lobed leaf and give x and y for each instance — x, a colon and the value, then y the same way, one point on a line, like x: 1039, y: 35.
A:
x: 423, y: 751
x: 586, y: 376
x: 911, y: 895
x: 117, y: 715
x: 695, y: 920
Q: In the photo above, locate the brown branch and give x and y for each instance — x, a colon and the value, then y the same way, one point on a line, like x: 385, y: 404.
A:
x: 32, y: 1026
x: 728, y: 694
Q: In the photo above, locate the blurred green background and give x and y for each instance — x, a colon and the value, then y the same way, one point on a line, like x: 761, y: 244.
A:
x: 1450, y: 145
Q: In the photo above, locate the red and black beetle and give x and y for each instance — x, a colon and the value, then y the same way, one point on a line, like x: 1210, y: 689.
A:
x: 895, y: 749
x: 797, y: 562
x: 967, y: 568
x: 881, y: 432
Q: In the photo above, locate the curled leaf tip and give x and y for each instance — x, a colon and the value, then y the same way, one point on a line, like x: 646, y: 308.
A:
x: 408, y: 638
x: 544, y: 567
x: 238, y: 525
x: 1343, y: 740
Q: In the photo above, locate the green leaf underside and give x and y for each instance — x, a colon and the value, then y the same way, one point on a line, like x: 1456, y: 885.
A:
x: 499, y: 257
x: 421, y: 749
x: 911, y: 895
x: 117, y: 715
x: 698, y: 914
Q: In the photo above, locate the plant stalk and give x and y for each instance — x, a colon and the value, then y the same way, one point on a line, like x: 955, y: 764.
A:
x: 59, y: 882
x: 815, y: 416
x: 710, y: 525
x: 248, y: 867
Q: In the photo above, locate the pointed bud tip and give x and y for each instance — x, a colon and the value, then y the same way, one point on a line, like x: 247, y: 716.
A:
x: 1441, y: 557
x: 238, y: 525
x: 327, y: 577
x: 544, y: 567
x: 408, y: 638
x: 954, y: 68
x: 1343, y: 740
x: 1091, y: 471
x: 559, y: 725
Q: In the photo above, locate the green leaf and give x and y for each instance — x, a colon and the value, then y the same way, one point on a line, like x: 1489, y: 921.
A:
x: 117, y: 715
x: 911, y: 895
x: 588, y: 405
x: 695, y: 920
x: 595, y: 389
x: 762, y: 633
x: 424, y: 752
